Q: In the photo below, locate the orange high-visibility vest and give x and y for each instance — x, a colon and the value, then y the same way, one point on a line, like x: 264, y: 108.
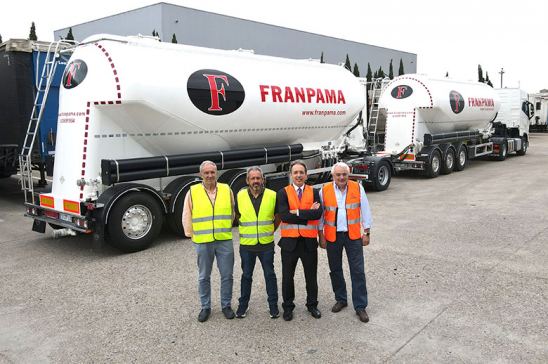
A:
x: 353, y: 212
x: 310, y: 230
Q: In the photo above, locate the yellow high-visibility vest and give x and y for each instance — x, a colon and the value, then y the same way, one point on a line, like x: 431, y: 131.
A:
x: 211, y: 223
x: 256, y: 229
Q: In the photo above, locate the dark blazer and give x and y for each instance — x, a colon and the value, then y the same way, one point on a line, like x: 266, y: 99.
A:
x: 282, y: 206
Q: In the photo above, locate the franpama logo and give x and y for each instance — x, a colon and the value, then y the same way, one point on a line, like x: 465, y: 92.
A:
x: 456, y: 101
x: 401, y: 92
x: 215, y: 92
x: 75, y: 73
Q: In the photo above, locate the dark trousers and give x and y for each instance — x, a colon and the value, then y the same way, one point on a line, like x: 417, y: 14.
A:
x: 309, y: 261
x: 248, y: 259
x: 354, y: 253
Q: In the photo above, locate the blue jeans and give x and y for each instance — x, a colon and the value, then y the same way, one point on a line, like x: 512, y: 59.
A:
x: 223, y: 250
x: 248, y: 265
x: 354, y: 253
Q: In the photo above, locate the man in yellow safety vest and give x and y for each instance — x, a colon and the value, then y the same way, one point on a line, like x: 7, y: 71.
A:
x: 207, y: 218
x: 256, y: 208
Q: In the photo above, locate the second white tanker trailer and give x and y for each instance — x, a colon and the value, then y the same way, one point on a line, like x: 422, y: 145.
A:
x: 137, y: 117
x: 436, y: 125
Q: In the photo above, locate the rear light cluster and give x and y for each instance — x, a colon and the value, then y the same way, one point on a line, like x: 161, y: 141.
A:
x: 360, y: 168
x: 32, y: 211
x: 82, y: 223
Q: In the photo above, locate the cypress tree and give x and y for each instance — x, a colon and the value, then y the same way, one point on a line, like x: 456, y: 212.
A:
x: 0, y: 38
x: 487, y: 80
x: 381, y: 73
x: 480, y: 74
x: 447, y: 74
x: 356, y: 70
x: 321, y: 59
x: 174, y: 39
x: 347, y: 64
x: 400, y: 70
x: 154, y: 34
x: 369, y: 74
x: 69, y: 36
x: 391, y: 71
x: 32, y: 33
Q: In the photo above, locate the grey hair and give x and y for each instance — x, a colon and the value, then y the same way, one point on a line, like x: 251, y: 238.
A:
x: 254, y: 168
x: 340, y: 164
x: 205, y: 163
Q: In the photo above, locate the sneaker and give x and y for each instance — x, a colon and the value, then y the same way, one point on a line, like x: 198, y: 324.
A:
x: 241, y: 312
x: 274, y: 311
x: 204, y: 314
x: 229, y: 314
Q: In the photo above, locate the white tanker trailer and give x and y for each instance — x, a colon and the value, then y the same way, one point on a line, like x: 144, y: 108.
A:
x: 436, y: 125
x: 137, y: 117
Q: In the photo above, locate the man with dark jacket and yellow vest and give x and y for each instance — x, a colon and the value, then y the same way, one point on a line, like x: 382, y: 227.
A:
x: 207, y: 218
x: 255, y: 209
x: 300, y: 209
x: 346, y: 224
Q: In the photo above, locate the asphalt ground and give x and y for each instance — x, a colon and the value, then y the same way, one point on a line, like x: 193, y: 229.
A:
x: 457, y: 271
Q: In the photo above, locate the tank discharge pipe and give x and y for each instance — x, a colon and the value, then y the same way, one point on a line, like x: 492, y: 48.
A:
x: 125, y: 170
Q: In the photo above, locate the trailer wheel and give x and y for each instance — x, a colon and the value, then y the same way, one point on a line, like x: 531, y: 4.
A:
x: 524, y: 145
x: 461, y: 158
x: 134, y: 222
x: 434, y: 165
x: 382, y: 179
x: 503, y: 152
x: 449, y: 161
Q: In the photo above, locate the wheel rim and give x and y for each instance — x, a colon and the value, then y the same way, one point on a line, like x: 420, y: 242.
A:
x: 382, y: 176
x: 136, y: 221
x: 462, y: 157
x: 435, y: 163
x: 450, y: 160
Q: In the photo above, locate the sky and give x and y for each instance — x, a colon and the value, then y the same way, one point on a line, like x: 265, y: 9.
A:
x: 447, y: 36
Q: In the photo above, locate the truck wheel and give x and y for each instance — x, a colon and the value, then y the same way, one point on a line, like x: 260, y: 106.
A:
x: 448, y: 161
x: 382, y: 179
x: 434, y: 165
x: 503, y: 152
x: 524, y: 145
x: 460, y: 160
x: 134, y: 222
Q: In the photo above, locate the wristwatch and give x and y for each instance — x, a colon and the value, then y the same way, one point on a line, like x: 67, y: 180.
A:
x: 366, y: 232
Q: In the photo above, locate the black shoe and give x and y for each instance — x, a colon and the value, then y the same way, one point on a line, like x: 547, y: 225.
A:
x: 229, y: 314
x: 204, y: 314
x: 315, y: 312
x: 337, y: 307
x: 288, y: 315
x: 241, y: 312
x: 274, y: 311
x: 362, y: 315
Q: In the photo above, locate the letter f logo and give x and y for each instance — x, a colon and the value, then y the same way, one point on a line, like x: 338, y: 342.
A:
x: 401, y: 91
x: 215, y: 90
x: 71, y: 72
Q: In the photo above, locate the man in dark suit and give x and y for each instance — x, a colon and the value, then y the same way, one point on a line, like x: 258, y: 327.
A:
x: 299, y: 209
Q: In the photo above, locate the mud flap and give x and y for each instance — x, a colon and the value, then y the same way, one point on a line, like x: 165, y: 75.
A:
x: 39, y: 226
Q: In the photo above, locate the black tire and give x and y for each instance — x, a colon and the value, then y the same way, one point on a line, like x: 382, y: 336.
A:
x: 434, y: 164
x: 524, y: 146
x: 175, y: 219
x: 503, y: 152
x: 448, y: 161
x: 382, y: 177
x: 235, y: 178
x: 145, y: 210
x: 461, y: 158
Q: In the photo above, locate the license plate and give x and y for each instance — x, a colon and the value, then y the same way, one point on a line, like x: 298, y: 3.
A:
x: 65, y: 217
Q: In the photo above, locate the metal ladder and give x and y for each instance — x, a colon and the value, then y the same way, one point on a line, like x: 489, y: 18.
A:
x: 54, y: 56
x: 376, y: 87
